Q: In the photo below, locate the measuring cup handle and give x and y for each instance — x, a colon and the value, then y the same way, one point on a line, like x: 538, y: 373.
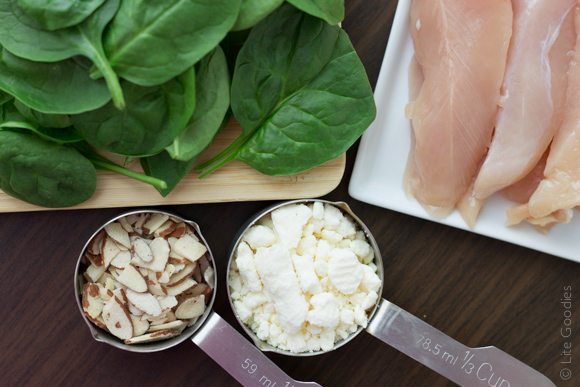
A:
x: 461, y: 364
x: 239, y: 357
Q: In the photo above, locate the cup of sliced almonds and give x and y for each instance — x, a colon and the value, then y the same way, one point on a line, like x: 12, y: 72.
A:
x: 145, y: 281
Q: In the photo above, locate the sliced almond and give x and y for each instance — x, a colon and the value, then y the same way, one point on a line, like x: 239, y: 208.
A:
x: 118, y: 234
x: 138, y: 226
x: 154, y: 223
x: 92, y: 301
x: 209, y: 277
x: 139, y: 326
x: 166, y: 303
x: 171, y: 316
x: 178, y: 278
x: 158, y: 322
x: 145, y: 302
x: 95, y: 272
x: 106, y: 294
x: 163, y: 278
x: 94, y: 246
x: 122, y: 260
x: 191, y: 308
x: 117, y: 319
x: 110, y: 250
x: 96, y: 260
x: 153, y: 336
x: 132, y: 218
x: 141, y: 249
x: 166, y: 228
x: 198, y: 289
x: 176, y: 324
x: 189, y: 248
x: 184, y: 286
x: 155, y: 288
x: 133, y: 279
x: 98, y: 322
x: 160, y: 249
x: 179, y: 230
x: 125, y: 224
x: 121, y: 296
x: 134, y: 310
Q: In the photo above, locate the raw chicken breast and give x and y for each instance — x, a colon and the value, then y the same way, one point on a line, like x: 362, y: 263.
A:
x: 461, y: 47
x: 521, y: 191
x: 561, y: 187
x: 524, y: 126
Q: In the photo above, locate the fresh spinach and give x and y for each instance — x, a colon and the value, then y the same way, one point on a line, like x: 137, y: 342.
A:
x: 330, y: 10
x: 151, y: 41
x: 60, y: 87
x: 212, y: 101
x: 153, y: 118
x: 253, y: 11
x: 44, y: 173
x: 4, y: 97
x: 299, y: 92
x: 56, y: 14
x: 104, y: 164
x: 43, y: 119
x: 24, y: 38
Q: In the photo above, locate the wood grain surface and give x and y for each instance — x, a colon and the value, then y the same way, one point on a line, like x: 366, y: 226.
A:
x: 478, y: 290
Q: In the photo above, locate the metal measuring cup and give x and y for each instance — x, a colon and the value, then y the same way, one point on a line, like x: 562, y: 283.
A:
x: 212, y: 333
x: 461, y: 364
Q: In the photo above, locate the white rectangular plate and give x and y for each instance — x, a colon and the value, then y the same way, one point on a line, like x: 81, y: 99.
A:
x: 380, y: 162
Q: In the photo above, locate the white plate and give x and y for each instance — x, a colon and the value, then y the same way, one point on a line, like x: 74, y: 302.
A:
x: 378, y: 172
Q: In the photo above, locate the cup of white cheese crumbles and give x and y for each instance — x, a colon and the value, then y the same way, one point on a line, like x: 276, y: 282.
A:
x: 143, y: 278
x: 305, y: 277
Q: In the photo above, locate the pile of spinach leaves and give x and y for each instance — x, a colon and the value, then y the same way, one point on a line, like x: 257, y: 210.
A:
x: 158, y: 80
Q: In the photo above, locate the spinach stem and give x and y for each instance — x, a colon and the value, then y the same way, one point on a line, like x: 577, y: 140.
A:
x: 111, y: 78
x: 157, y: 183
x: 223, y: 157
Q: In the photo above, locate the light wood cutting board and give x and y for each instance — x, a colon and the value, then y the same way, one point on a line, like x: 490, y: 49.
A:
x: 234, y: 181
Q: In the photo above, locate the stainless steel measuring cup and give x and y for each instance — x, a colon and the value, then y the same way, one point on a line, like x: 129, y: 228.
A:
x: 485, y: 366
x: 217, y: 338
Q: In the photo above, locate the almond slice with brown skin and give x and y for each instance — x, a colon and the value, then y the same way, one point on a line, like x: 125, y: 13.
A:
x: 153, y: 336
x: 98, y: 322
x: 179, y: 231
x: 96, y: 260
x: 167, y: 302
x: 154, y: 223
x: 132, y: 278
x: 166, y: 228
x: 139, y: 326
x: 94, y: 272
x: 176, y: 324
x: 189, y: 248
x: 145, y: 302
x: 118, y: 234
x: 198, y: 289
x: 155, y: 288
x: 191, y: 308
x: 110, y: 250
x: 132, y: 218
x: 94, y: 246
x: 122, y: 260
x: 184, y: 286
x: 209, y: 277
x: 117, y: 319
x: 92, y: 301
x: 125, y: 224
x: 160, y: 249
x: 141, y: 249
x: 178, y: 278
x: 121, y: 296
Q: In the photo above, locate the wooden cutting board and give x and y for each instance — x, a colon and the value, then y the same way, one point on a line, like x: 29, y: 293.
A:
x: 234, y: 181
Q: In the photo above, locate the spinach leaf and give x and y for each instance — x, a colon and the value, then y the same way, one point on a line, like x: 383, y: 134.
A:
x: 253, y: 11
x: 43, y: 119
x: 299, y: 92
x: 56, y: 14
x: 24, y: 38
x: 151, y: 41
x: 212, y: 101
x: 104, y: 164
x: 44, y: 173
x: 172, y: 171
x: 4, y: 97
x: 153, y: 118
x: 330, y: 10
x: 60, y: 87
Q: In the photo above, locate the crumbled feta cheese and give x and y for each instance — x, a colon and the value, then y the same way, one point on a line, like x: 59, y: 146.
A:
x: 259, y: 236
x: 307, y: 246
x: 247, y: 268
x: 289, y: 222
x: 318, y: 210
x: 363, y: 250
x: 370, y: 280
x: 332, y: 217
x: 321, y: 268
x: 304, y: 266
x: 275, y: 267
x: 324, y: 312
x: 331, y: 236
x: 344, y: 270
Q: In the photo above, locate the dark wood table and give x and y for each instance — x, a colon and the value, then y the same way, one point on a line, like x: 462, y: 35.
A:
x: 478, y: 290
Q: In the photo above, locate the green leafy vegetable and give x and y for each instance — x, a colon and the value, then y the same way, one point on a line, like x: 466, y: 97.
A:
x: 212, y: 101
x: 56, y: 14
x: 24, y: 38
x: 299, y: 92
x: 153, y: 118
x: 330, y: 10
x: 152, y: 41
x: 60, y: 87
x: 43, y: 119
x: 105, y: 164
x: 253, y: 11
x: 44, y: 173
x: 4, y: 97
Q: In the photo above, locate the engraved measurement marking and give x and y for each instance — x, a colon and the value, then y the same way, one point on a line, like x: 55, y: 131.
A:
x: 483, y: 372
x: 252, y: 367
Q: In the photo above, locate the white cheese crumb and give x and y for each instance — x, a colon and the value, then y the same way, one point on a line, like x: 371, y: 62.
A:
x: 344, y: 270
x: 259, y: 236
x: 325, y: 311
x: 247, y: 268
x: 289, y: 222
x: 304, y: 266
